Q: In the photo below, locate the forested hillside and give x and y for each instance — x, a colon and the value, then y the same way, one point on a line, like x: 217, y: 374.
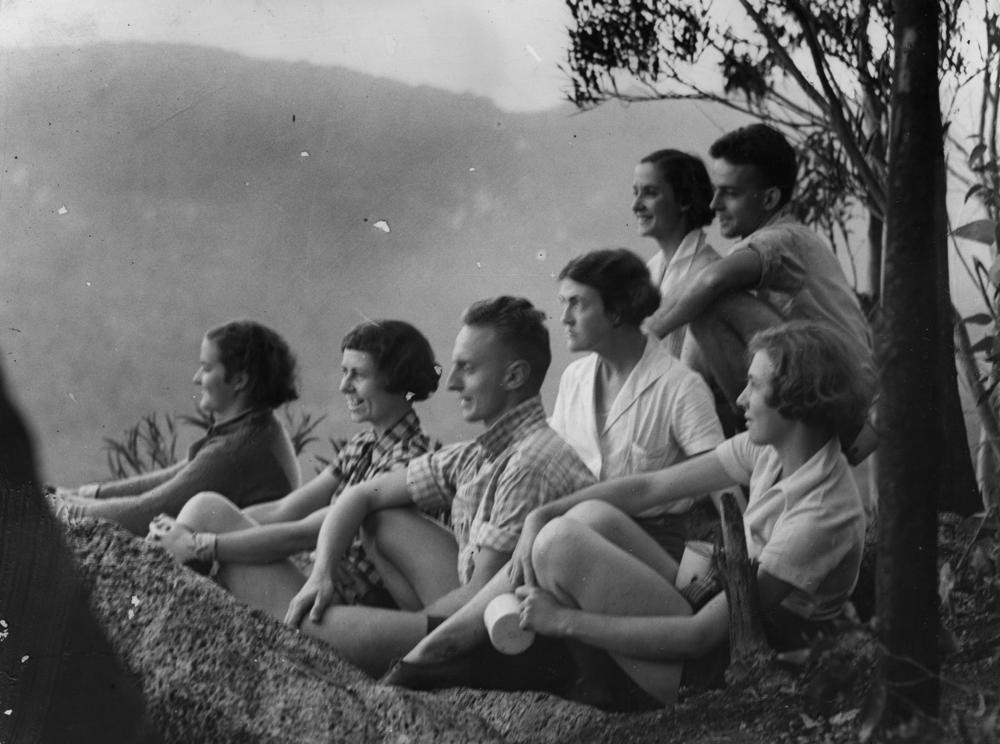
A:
x: 149, y: 192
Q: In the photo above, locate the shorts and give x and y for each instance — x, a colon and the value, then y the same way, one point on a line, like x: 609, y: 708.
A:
x: 668, y: 530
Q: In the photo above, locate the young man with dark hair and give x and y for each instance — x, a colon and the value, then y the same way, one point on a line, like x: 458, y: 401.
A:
x: 792, y: 273
x: 499, y: 361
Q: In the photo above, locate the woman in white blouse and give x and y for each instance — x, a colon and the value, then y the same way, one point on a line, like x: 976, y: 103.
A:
x: 628, y: 406
x: 671, y: 201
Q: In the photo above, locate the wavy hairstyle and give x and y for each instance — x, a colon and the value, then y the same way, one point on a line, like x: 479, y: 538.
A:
x: 402, y: 355
x: 689, y: 180
x: 247, y: 346
x: 622, y: 280
x: 767, y: 150
x: 520, y: 327
x: 821, y: 377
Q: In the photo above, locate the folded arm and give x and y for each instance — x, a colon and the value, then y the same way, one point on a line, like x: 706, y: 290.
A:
x: 270, y: 542
x: 739, y: 270
x: 300, y: 503
x: 342, y: 522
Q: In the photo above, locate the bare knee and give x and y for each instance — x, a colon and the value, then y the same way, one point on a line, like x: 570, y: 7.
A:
x: 557, y: 549
x: 209, y: 512
x: 600, y: 516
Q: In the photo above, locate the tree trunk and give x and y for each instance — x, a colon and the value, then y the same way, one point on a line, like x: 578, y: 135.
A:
x: 915, y: 368
x: 875, y: 228
x: 748, y: 649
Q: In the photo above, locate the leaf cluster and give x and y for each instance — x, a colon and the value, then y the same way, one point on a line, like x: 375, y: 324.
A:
x: 821, y: 72
x: 151, y: 444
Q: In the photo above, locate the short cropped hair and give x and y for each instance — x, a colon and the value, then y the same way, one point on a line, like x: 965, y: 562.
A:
x: 520, y: 327
x: 247, y: 346
x: 403, y: 357
x: 689, y: 179
x: 622, y: 280
x: 821, y: 377
x: 767, y: 150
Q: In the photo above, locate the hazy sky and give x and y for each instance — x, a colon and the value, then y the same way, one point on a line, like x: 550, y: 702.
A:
x: 507, y: 50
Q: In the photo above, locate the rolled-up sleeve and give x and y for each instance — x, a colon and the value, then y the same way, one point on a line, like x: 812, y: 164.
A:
x: 431, y: 478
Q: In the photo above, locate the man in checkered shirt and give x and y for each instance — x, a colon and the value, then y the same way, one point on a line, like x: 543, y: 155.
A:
x: 499, y: 362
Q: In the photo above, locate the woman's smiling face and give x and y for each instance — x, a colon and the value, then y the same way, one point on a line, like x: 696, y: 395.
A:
x: 366, y: 396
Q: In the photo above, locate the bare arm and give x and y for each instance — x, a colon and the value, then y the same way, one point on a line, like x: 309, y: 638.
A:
x: 138, y: 484
x: 739, y: 270
x: 341, y: 524
x: 270, y: 542
x: 300, y: 503
x: 488, y: 562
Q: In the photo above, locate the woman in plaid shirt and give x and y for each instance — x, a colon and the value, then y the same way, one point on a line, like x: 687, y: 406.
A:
x: 387, y: 366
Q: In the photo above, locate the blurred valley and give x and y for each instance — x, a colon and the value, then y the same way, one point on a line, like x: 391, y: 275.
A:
x: 149, y: 192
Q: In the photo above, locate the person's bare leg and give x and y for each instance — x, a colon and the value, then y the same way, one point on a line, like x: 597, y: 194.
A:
x: 212, y: 512
x: 416, y: 557
x: 420, y: 557
x: 464, y: 630
x: 615, y: 525
x: 585, y: 570
x: 369, y: 637
x: 265, y: 586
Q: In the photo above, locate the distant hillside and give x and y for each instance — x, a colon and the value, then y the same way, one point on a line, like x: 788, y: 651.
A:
x: 149, y: 192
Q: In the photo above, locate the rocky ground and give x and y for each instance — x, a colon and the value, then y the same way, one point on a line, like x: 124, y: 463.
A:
x: 213, y: 670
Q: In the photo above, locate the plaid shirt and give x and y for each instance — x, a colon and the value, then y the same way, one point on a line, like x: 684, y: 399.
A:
x: 362, y: 458
x: 494, y: 481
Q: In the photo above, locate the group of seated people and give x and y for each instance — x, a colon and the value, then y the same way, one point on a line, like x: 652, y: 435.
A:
x: 582, y: 515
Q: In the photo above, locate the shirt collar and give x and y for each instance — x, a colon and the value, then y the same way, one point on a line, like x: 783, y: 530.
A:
x: 812, y: 473
x: 514, y: 424
x: 689, y: 245
x: 407, y: 427
x: 782, y: 216
x: 252, y: 414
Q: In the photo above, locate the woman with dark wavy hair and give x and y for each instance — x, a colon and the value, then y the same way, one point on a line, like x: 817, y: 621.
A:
x: 671, y: 197
x: 590, y: 575
x: 628, y: 406
x: 245, y: 371
x: 387, y: 366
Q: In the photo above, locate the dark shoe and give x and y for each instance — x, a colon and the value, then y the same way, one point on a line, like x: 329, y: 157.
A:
x: 459, y: 671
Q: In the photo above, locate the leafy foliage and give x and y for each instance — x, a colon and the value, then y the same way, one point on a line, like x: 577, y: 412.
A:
x: 151, y: 444
x: 821, y: 72
x: 147, y: 446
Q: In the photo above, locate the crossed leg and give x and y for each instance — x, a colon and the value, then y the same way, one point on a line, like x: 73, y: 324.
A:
x: 584, y: 569
x: 595, y: 558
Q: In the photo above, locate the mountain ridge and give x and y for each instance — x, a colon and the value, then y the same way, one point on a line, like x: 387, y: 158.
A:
x: 152, y: 191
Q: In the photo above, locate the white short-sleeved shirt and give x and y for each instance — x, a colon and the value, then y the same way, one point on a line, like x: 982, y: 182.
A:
x: 663, y: 415
x: 807, y: 529
x: 670, y: 277
x: 801, y: 276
